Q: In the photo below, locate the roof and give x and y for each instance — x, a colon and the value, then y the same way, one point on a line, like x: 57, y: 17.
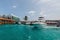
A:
x: 6, y: 19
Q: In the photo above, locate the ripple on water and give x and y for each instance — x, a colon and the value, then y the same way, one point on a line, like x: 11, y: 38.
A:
x: 25, y: 32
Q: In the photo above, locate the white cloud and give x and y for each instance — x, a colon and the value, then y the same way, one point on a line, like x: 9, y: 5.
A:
x: 41, y: 1
x: 14, y: 6
x: 47, y: 2
x: 50, y: 7
x: 31, y: 13
x: 42, y: 13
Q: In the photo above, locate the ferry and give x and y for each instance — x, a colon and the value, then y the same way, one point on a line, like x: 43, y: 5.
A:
x: 9, y: 19
x: 6, y: 21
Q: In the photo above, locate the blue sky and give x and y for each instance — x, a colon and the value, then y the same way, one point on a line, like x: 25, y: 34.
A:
x: 50, y: 9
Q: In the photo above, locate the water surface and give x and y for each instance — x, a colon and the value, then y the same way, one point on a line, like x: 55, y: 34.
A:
x: 28, y: 32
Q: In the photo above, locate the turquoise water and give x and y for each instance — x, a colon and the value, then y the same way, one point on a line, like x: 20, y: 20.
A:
x: 28, y: 32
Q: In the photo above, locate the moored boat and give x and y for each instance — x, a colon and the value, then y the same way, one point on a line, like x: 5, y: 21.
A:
x: 6, y: 21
